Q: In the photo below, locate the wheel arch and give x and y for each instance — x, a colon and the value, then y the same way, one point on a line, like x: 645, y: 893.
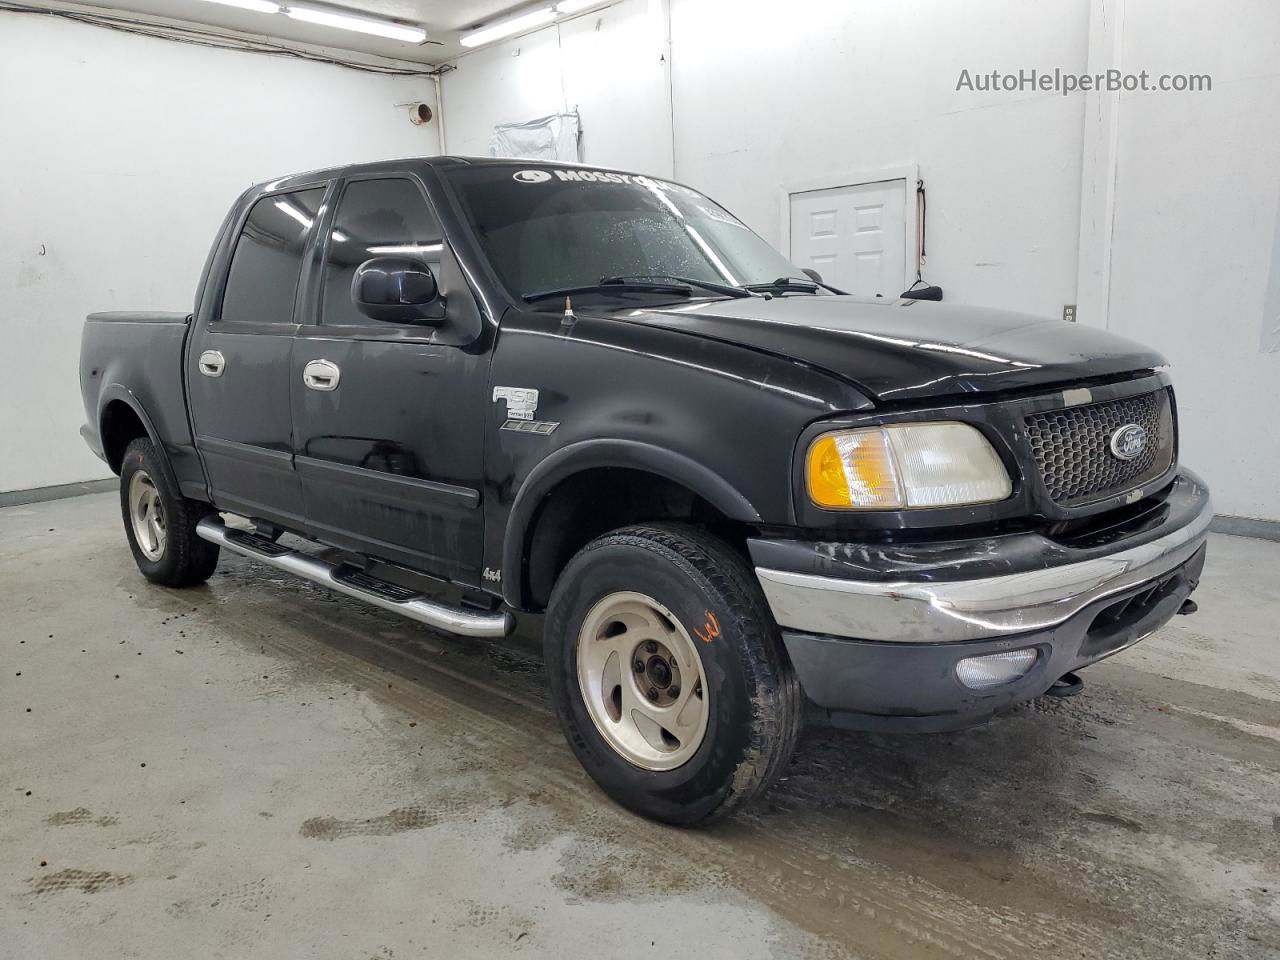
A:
x: 525, y: 583
x: 121, y: 420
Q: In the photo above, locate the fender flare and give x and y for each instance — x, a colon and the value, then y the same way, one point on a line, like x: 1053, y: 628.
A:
x: 591, y: 454
x: 118, y: 391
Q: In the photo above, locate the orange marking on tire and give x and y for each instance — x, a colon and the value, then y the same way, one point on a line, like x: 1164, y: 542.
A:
x: 712, y: 628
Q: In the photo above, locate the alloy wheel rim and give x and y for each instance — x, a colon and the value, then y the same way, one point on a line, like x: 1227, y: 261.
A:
x: 642, y: 680
x: 146, y: 513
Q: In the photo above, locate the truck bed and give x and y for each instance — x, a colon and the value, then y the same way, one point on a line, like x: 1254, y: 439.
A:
x: 137, y: 359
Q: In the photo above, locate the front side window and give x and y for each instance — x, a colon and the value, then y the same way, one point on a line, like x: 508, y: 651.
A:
x: 552, y: 228
x: 263, y: 277
x: 375, y: 218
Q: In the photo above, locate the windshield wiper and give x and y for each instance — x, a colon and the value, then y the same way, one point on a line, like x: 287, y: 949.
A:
x: 723, y: 288
x: 613, y: 285
x: 791, y: 285
x: 643, y: 283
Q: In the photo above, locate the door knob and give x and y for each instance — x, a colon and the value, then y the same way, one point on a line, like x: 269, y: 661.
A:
x: 321, y: 375
x: 212, y: 363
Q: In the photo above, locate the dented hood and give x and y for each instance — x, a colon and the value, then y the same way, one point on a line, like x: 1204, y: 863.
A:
x: 898, y: 350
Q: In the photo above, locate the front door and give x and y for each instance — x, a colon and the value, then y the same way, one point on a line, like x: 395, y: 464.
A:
x: 238, y: 364
x: 854, y: 236
x: 389, y: 418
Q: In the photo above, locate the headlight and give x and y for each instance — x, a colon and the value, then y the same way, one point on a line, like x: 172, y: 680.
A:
x: 907, y: 465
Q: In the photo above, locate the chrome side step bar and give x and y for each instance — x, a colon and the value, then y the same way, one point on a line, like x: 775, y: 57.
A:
x: 415, y: 606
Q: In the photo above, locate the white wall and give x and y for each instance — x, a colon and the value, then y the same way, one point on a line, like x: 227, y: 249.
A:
x: 119, y: 156
x: 1195, y: 228
x: 831, y: 89
x: 605, y: 64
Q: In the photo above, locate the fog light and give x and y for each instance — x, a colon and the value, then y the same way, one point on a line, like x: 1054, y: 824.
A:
x: 993, y: 669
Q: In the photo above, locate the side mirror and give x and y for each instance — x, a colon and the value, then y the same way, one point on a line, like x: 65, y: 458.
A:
x: 922, y: 293
x: 397, y: 290
x: 812, y: 274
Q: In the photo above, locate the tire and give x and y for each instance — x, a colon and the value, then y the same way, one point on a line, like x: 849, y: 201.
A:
x: 647, y: 589
x: 163, y: 539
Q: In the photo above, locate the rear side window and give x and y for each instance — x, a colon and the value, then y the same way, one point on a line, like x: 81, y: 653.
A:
x: 376, y: 218
x: 264, y: 270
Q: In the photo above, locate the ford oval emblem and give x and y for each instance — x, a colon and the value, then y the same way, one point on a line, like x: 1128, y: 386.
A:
x: 531, y: 176
x: 1129, y: 441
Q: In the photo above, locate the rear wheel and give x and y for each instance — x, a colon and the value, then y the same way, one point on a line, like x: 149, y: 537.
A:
x: 668, y: 673
x: 160, y: 523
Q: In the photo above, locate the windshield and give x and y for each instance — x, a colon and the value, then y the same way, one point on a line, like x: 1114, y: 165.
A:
x: 550, y: 228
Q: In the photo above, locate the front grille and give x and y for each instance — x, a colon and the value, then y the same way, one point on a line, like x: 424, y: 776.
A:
x: 1072, y: 447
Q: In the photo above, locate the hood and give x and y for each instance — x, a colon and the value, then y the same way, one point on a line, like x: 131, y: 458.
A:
x: 898, y: 350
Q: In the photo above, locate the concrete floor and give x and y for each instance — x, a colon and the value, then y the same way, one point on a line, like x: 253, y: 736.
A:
x: 257, y: 769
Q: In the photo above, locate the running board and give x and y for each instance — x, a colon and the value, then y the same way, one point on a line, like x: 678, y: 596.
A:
x: 345, y: 579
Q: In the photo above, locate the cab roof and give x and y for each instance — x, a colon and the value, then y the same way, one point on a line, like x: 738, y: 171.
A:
x: 296, y: 180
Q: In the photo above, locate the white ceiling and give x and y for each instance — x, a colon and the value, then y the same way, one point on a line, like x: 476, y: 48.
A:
x: 443, y: 20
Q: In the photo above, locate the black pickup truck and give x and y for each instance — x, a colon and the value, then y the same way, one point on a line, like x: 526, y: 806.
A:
x: 742, y: 498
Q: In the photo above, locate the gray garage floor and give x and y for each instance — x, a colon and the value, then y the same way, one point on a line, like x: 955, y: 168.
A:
x: 257, y: 769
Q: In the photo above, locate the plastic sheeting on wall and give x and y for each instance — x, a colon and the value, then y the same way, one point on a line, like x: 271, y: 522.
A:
x: 554, y: 137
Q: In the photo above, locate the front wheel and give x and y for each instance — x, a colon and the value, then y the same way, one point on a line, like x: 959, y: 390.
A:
x: 668, y: 674
x: 160, y: 523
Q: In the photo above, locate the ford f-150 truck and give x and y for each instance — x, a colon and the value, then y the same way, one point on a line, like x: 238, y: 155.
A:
x: 741, y: 498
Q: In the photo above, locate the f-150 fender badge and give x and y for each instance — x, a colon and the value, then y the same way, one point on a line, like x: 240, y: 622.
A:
x: 522, y: 404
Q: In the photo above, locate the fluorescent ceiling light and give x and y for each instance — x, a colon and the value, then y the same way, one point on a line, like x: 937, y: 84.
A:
x: 409, y: 248
x: 505, y: 28
x: 711, y: 254
x: 576, y: 6
x: 257, y: 6
x: 284, y: 206
x: 360, y: 24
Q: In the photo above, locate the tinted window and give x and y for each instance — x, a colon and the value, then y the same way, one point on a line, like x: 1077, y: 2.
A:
x: 264, y: 269
x: 376, y: 218
x: 545, y: 229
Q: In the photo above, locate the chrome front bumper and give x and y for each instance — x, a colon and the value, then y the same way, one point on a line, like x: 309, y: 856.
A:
x: 929, y: 608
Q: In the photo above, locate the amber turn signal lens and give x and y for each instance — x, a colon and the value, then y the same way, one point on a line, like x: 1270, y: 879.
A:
x: 853, y: 469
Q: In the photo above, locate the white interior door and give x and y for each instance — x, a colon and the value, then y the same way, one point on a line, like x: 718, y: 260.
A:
x: 854, y: 236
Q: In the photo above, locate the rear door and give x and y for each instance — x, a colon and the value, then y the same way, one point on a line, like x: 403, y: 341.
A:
x: 238, y: 365
x: 389, y: 418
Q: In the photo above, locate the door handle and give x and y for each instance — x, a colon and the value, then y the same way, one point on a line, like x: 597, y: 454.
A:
x: 212, y: 363
x: 321, y: 375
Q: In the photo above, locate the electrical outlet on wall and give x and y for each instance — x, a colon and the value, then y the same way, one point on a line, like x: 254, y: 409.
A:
x: 1069, y: 312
